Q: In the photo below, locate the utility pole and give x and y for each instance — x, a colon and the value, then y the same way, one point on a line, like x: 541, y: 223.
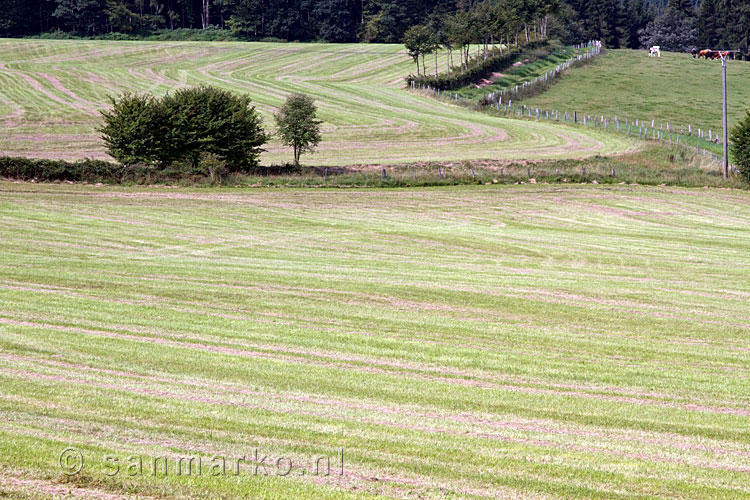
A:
x: 724, y: 118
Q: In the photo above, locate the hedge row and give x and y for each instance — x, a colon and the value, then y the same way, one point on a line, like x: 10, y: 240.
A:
x: 27, y: 169
x: 92, y: 171
x: 160, y: 35
x: 479, y: 68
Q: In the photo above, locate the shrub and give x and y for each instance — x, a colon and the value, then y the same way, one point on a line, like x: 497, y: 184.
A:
x: 136, y: 131
x: 740, y: 145
x: 211, y: 120
x: 182, y: 126
x: 56, y: 35
x: 213, y: 166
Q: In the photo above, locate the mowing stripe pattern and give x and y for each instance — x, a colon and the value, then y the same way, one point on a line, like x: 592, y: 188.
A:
x: 494, y: 342
x: 53, y: 91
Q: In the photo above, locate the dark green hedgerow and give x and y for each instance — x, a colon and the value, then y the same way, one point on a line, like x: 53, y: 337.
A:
x: 450, y: 81
x: 93, y: 171
x: 28, y: 169
x: 655, y: 165
x: 478, y: 68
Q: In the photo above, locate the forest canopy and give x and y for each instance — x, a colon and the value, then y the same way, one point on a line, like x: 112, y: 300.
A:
x: 618, y: 23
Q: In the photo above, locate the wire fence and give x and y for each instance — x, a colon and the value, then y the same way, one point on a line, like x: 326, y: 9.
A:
x: 701, y: 141
x: 592, y: 49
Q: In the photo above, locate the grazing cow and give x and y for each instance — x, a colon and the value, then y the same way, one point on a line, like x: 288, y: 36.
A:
x: 654, y: 51
x: 711, y: 54
x: 720, y: 54
x: 706, y: 53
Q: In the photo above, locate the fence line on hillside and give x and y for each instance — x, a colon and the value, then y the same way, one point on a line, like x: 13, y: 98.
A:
x: 665, y: 132
x: 694, y: 140
x: 595, y: 49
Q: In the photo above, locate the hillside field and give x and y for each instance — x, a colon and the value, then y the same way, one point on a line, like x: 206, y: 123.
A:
x: 53, y: 91
x: 674, y: 88
x: 486, y: 342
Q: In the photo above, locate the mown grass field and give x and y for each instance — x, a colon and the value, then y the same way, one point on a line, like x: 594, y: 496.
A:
x: 674, y: 88
x: 485, y: 342
x: 53, y: 91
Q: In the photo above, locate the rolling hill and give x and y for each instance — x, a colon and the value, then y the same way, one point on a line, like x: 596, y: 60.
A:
x: 674, y: 88
x: 53, y: 92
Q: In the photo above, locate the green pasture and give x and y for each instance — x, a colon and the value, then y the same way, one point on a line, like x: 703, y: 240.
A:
x: 674, y: 89
x: 53, y: 91
x: 531, y: 341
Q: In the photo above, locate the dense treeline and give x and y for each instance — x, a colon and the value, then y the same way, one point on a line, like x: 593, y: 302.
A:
x: 674, y: 24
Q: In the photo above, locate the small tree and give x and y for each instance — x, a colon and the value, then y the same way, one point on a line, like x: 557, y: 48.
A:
x: 740, y: 145
x: 419, y: 41
x: 297, y: 125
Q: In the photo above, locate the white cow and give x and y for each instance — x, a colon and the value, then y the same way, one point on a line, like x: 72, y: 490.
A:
x: 654, y: 51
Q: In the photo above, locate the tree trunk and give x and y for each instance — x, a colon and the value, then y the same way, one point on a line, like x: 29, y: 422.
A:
x: 206, y: 14
x: 436, y: 65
